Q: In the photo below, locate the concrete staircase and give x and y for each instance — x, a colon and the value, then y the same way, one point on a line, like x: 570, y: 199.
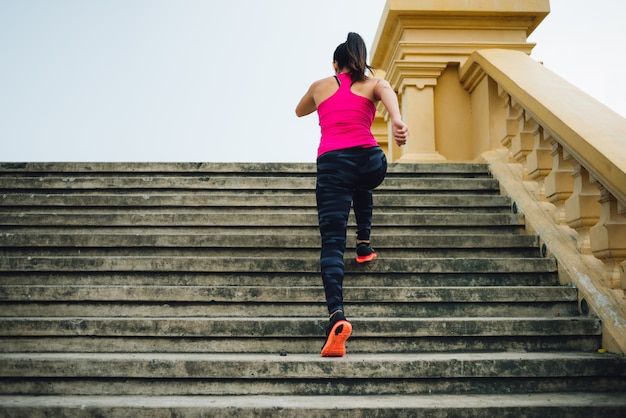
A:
x: 159, y: 290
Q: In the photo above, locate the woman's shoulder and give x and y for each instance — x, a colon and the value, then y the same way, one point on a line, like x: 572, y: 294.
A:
x: 325, y: 81
x: 324, y: 88
x: 374, y: 83
x: 379, y: 83
x: 376, y: 80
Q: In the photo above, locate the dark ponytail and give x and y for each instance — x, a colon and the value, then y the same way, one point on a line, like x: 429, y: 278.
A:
x: 352, y: 54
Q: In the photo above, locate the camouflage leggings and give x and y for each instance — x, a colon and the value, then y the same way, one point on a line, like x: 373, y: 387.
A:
x: 345, y: 178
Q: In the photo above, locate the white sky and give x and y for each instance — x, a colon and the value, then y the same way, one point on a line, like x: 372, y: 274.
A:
x: 205, y: 80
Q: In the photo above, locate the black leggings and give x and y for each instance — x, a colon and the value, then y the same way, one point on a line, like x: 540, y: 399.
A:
x: 344, y: 178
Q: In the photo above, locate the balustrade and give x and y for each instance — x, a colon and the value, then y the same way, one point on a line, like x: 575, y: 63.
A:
x: 470, y: 92
x: 576, y: 198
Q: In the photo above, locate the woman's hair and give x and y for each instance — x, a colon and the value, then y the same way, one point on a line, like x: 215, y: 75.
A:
x: 352, y: 54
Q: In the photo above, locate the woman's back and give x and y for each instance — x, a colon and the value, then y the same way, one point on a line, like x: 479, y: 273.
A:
x: 345, y: 117
x: 328, y: 86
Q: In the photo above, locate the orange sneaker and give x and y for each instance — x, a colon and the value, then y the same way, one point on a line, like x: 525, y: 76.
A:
x: 337, y: 333
x: 365, y: 252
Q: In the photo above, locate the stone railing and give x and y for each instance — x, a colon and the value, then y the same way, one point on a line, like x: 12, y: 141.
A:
x: 562, y: 159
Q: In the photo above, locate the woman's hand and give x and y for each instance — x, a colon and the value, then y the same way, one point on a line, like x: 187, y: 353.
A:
x: 400, y: 131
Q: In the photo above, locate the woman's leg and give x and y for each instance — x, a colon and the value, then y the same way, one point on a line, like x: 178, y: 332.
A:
x: 344, y: 176
x: 372, y: 170
x: 363, y: 204
x: 334, y: 197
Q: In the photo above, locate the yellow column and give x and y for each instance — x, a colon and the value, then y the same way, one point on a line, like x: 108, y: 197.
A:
x: 418, y: 111
x: 418, y: 41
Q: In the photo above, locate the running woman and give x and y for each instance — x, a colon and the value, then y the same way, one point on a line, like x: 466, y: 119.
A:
x: 350, y: 164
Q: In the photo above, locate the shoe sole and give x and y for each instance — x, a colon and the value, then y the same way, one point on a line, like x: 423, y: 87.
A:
x: 336, y: 342
x: 365, y: 258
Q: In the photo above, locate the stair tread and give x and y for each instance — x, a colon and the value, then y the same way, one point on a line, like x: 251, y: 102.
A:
x: 236, y: 218
x: 311, y: 366
x: 218, y: 167
x: 295, y: 327
x: 234, y: 240
x: 334, y: 403
x: 292, y: 294
x: 295, y: 198
x: 283, y: 264
x: 348, y: 359
x: 231, y: 183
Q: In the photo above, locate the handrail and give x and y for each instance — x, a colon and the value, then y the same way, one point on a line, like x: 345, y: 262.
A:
x: 591, y: 132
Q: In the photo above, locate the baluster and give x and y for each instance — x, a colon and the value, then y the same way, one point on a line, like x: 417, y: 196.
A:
x: 582, y: 209
x: 515, y: 113
x: 514, y: 125
x: 499, y: 111
x: 559, y: 184
x: 608, y: 237
x: 539, y: 160
x: 522, y: 143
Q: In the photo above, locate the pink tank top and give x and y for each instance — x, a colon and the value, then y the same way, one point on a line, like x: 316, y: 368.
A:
x: 346, y: 119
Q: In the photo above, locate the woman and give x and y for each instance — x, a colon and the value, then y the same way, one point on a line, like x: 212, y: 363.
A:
x: 349, y: 165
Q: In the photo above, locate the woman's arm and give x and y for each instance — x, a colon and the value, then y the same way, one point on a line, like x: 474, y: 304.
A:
x: 307, y: 105
x: 384, y: 93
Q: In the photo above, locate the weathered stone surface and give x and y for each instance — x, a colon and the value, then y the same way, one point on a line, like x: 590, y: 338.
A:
x: 235, y: 218
x: 375, y: 406
x: 156, y: 182
x: 362, y: 366
x: 114, y: 169
x: 153, y: 281
x: 441, y: 406
x: 256, y: 327
x: 269, y: 265
x: 385, y: 200
x: 275, y: 240
x: 283, y: 294
x: 288, y: 345
x: 362, y: 277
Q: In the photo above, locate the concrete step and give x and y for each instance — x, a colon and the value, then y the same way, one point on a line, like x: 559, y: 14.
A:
x: 241, y: 182
x: 583, y: 404
x: 293, y: 327
x: 183, y: 168
x: 356, y: 276
x: 243, y: 333
x: 270, y: 230
x: 147, y: 309
x: 290, y: 294
x: 269, y: 265
x: 309, y: 345
x: 261, y: 198
x: 114, y: 237
x: 276, y: 252
x: 272, y: 301
x: 265, y: 374
x: 235, y: 217
x: 115, y: 242
x: 301, y: 366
